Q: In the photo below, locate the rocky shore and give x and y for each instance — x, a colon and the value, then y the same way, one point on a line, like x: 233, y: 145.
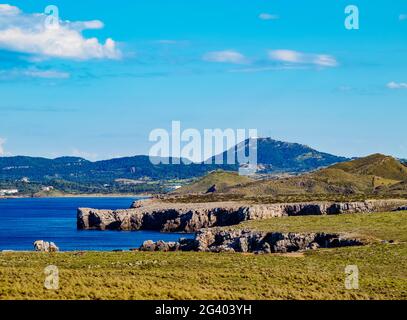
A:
x: 247, y: 241
x: 153, y: 214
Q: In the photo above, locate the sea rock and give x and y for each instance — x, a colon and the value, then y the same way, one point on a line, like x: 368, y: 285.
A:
x: 162, y: 246
x: 148, y: 246
x: 43, y: 246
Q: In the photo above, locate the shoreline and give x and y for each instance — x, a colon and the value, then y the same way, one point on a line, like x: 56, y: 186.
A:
x: 95, y: 195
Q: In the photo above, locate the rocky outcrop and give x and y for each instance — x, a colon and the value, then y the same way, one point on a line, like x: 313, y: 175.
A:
x: 179, y: 217
x: 43, y: 246
x: 247, y: 241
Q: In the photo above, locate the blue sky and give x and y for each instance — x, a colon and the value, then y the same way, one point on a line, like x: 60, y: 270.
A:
x: 114, y: 71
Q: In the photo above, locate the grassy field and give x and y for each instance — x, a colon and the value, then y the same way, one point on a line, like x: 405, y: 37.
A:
x: 188, y: 275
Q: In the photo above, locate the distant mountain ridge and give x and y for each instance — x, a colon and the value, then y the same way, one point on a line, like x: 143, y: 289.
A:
x: 273, y: 157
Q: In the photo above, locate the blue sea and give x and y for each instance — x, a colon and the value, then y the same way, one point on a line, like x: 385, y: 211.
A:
x: 23, y: 221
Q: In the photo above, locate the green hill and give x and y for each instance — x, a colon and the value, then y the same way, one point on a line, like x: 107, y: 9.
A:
x: 376, y: 165
x: 373, y: 176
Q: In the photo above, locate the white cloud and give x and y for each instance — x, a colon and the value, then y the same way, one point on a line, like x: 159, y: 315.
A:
x: 29, y: 33
x: 324, y: 60
x: 8, y: 10
x: 397, y: 85
x: 88, y: 25
x: 286, y: 56
x: 268, y: 16
x: 2, y: 151
x: 227, y: 56
x: 296, y: 57
x: 403, y: 17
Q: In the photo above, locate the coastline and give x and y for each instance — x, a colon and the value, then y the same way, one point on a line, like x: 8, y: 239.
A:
x: 92, y: 195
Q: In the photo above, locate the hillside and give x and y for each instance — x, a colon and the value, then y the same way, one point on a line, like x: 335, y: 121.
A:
x: 376, y: 176
x: 275, y: 156
x: 376, y: 165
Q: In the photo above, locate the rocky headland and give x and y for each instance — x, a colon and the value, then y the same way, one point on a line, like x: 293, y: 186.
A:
x: 157, y: 215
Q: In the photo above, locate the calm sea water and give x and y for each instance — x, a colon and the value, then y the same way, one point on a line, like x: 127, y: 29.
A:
x: 23, y: 221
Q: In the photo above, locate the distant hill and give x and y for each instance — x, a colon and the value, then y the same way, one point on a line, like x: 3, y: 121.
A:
x: 84, y: 171
x: 275, y: 156
x: 376, y: 175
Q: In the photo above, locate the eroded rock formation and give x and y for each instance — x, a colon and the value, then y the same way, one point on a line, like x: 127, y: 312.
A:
x: 247, y: 241
x: 170, y: 217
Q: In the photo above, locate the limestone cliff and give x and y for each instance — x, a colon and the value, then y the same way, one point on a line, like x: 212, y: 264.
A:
x: 174, y: 217
x: 245, y: 241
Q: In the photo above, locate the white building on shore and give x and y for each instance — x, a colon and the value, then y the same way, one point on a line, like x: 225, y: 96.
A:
x: 8, y: 192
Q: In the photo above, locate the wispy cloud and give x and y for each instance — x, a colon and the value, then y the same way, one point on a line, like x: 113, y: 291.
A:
x: 8, y: 10
x: 33, y: 73
x: 47, y: 74
x: 267, y: 69
x: 30, y: 34
x: 297, y: 57
x: 268, y: 16
x: 87, y: 25
x: 168, y: 41
x: 226, y: 56
x: 397, y: 85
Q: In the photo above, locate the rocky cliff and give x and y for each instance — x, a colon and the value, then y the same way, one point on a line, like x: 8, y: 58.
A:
x: 247, y: 241
x: 170, y: 217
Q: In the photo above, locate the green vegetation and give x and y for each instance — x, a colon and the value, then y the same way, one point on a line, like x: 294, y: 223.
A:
x: 63, y: 187
x: 188, y: 275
